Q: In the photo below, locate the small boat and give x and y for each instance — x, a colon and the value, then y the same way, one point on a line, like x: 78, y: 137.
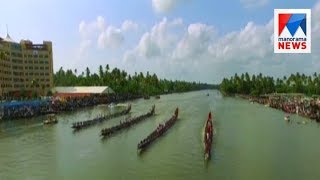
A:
x: 122, y: 105
x: 207, y: 137
x: 51, y: 119
x: 112, y: 105
x: 146, y: 97
x: 287, y: 118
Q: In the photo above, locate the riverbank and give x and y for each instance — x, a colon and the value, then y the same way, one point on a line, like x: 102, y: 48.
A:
x: 27, y: 109
x: 33, y: 108
x: 308, y: 107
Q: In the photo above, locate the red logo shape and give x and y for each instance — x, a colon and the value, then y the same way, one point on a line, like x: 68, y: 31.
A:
x: 283, y: 20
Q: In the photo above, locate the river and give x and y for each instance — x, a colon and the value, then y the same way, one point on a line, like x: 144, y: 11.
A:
x: 251, y: 142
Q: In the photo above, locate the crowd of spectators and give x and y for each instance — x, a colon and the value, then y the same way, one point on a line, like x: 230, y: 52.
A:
x: 13, y: 109
x: 304, y: 106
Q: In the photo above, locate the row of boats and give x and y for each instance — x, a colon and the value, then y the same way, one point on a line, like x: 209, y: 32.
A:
x: 159, y: 131
x: 83, y: 124
x: 162, y: 128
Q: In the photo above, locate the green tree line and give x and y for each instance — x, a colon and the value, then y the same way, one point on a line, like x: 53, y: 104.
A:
x: 122, y: 82
x: 259, y: 84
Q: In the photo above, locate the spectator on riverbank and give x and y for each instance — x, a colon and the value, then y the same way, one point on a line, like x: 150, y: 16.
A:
x: 25, y: 109
x: 307, y: 107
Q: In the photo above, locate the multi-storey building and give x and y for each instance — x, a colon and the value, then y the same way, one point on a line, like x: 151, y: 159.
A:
x: 25, y: 66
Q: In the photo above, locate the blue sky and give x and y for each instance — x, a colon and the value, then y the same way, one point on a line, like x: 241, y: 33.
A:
x: 196, y: 40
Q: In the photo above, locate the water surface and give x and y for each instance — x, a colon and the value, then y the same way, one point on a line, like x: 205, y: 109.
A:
x: 251, y: 142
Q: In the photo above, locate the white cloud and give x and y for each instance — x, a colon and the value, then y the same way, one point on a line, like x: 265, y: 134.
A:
x: 100, y: 23
x: 158, y: 42
x: 129, y: 25
x: 163, y: 6
x: 195, y: 42
x: 253, y: 41
x: 254, y: 3
x: 114, y: 37
x: 148, y: 47
x: 316, y: 18
x: 105, y: 36
x: 88, y: 29
x: 84, y: 46
x: 83, y: 28
x: 198, y: 52
x: 110, y: 38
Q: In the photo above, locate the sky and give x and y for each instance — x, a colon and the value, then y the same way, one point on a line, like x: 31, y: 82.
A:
x: 193, y: 40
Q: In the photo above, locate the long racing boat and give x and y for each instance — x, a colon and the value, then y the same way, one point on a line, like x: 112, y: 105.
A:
x: 207, y: 137
x: 158, y: 132
x: 84, y: 124
x: 127, y: 124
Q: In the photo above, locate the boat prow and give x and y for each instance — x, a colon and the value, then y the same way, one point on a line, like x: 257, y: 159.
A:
x: 206, y: 156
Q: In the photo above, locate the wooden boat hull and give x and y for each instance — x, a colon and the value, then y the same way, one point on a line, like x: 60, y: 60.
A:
x: 109, y: 131
x: 207, y: 137
x: 83, y: 124
x: 158, y: 132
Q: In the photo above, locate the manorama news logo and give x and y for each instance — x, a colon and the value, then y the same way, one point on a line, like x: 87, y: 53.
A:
x: 292, y: 31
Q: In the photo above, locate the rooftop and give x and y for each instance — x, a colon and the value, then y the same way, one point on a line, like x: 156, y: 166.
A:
x: 8, y: 39
x: 83, y: 89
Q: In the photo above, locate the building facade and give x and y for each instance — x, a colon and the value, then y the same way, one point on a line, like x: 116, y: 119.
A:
x: 25, y: 67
